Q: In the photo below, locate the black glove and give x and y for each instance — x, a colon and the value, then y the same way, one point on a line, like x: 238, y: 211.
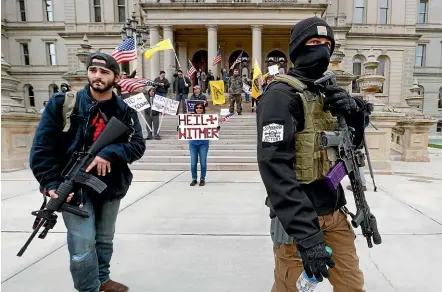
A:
x: 338, y: 101
x: 315, y: 261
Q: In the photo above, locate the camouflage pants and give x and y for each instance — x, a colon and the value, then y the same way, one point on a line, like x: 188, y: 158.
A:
x: 339, y: 236
x: 238, y: 99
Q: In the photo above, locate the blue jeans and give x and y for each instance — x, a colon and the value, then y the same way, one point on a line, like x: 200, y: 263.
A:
x: 181, y: 97
x: 161, y: 93
x: 90, y: 243
x: 247, y: 97
x: 200, y: 150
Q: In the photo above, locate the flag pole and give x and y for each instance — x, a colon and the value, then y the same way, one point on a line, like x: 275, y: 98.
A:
x: 162, y: 116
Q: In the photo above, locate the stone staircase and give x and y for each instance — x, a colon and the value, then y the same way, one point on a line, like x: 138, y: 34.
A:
x: 235, y: 149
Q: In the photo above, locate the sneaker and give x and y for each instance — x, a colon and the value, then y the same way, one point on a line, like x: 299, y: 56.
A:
x: 240, y: 114
x: 202, y: 183
x: 193, y: 183
x: 157, y: 137
x: 364, y: 188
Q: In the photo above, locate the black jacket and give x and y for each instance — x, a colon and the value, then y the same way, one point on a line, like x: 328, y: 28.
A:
x: 296, y: 205
x: 52, y: 148
x: 185, y: 89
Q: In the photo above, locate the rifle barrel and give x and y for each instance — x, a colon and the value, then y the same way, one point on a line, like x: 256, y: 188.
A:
x: 25, y: 246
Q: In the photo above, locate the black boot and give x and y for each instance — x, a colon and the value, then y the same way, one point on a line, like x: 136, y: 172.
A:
x: 193, y: 183
x: 202, y: 183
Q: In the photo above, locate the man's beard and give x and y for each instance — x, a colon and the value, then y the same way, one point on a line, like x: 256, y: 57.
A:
x: 101, y: 90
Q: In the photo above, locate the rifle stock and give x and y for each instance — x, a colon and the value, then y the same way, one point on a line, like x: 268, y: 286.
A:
x: 46, y: 216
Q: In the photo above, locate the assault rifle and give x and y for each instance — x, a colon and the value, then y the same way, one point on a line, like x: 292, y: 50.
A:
x: 349, y: 161
x: 74, y: 173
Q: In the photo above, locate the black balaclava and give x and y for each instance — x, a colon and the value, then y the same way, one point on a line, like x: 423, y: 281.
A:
x: 310, y: 62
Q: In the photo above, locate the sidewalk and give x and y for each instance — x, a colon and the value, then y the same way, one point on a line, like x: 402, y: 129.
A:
x: 173, y: 237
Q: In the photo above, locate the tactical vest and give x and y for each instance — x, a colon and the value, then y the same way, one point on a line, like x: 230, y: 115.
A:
x: 311, y: 163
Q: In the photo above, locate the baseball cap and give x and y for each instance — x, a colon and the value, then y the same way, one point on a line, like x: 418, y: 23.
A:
x: 110, y: 62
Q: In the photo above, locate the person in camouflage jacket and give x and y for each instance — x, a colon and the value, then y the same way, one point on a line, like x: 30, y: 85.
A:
x: 235, y: 90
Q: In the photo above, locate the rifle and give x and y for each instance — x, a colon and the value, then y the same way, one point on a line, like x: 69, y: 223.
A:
x: 75, y: 173
x: 350, y: 159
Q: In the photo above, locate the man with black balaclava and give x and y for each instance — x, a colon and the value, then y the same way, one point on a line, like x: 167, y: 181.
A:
x: 306, y: 215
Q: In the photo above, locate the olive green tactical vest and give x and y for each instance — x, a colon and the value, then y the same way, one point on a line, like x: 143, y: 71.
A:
x: 311, y: 163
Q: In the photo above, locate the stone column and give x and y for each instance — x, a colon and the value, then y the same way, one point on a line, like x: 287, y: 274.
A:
x: 155, y: 60
x: 18, y: 125
x: 212, y: 46
x: 182, y: 56
x: 257, y: 45
x: 169, y: 56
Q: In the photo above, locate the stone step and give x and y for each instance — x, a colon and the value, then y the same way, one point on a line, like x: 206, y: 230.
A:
x: 212, y: 152
x: 186, y: 159
x: 160, y: 145
x: 186, y: 166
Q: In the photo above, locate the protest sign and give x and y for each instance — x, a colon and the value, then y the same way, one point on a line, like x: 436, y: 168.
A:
x: 246, y: 88
x: 138, y: 102
x: 159, y: 103
x: 191, y: 105
x: 171, y: 107
x: 198, y: 127
x: 224, y: 112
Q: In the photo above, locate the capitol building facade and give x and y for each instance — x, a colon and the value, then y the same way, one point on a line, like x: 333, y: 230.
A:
x: 41, y: 39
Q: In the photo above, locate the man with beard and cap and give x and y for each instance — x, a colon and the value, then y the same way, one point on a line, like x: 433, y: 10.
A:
x: 306, y: 216
x: 90, y: 240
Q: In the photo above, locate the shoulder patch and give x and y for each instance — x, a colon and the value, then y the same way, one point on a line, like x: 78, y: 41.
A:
x: 272, y: 133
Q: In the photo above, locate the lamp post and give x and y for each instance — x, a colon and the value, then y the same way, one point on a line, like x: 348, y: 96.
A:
x: 131, y: 29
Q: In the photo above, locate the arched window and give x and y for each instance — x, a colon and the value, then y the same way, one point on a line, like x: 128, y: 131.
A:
x: 53, y: 88
x: 439, y: 100
x: 358, y: 62
x: 384, y: 70
x: 28, y: 92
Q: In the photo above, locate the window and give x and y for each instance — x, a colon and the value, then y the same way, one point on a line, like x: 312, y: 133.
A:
x: 359, y: 11
x: 50, y: 53
x: 25, y: 54
x: 125, y: 68
x: 121, y: 10
x: 49, y: 13
x: 29, y: 91
x: 53, y: 88
x: 383, y: 16
x: 21, y: 6
x: 439, y: 101
x: 422, y: 16
x: 383, y: 69
x: 439, y: 127
x: 97, y: 10
x: 420, y: 55
x: 357, y: 71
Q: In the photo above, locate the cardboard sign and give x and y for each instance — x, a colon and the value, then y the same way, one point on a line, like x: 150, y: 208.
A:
x: 198, y: 127
x: 165, y: 105
x: 273, y: 70
x: 171, y: 107
x: 138, y: 102
x: 246, y: 88
x: 159, y: 103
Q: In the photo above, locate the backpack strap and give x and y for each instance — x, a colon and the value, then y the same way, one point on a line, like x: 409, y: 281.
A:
x: 290, y: 80
x: 70, y: 99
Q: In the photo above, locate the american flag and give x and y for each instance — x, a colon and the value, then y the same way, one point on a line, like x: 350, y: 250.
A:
x: 224, y: 120
x: 217, y: 58
x: 237, y: 61
x: 191, y: 70
x: 130, y: 84
x: 126, y: 51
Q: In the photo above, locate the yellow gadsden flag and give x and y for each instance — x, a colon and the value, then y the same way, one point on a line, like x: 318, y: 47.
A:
x: 161, y: 46
x: 255, y: 82
x: 217, y: 90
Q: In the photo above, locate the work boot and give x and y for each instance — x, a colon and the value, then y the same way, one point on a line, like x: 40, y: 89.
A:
x: 193, y: 183
x: 202, y: 183
x: 364, y: 188
x: 112, y: 286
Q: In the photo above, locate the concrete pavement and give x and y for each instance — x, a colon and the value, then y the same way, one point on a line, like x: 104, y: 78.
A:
x: 173, y: 237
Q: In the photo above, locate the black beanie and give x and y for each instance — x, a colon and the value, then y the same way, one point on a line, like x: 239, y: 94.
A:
x: 306, y: 29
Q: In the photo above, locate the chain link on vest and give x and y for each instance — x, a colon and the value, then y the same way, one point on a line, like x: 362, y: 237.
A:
x: 311, y: 163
